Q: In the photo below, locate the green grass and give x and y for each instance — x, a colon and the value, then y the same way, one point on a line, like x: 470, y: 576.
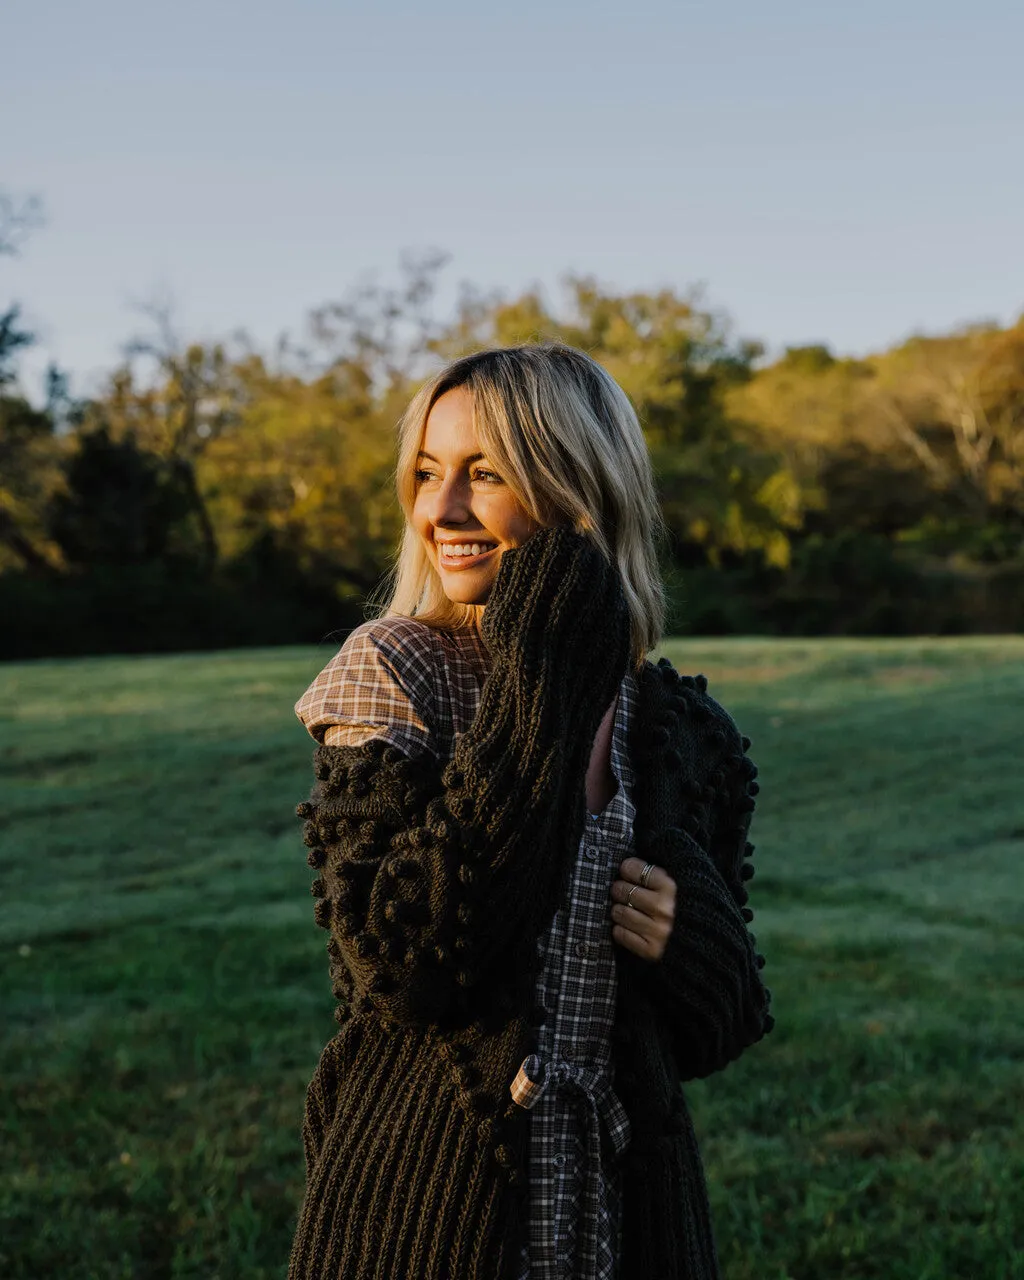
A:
x: 165, y: 994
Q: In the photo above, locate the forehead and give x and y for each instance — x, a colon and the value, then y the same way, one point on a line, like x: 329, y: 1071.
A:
x: 449, y: 430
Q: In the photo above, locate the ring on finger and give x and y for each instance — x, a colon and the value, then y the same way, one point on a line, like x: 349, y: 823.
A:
x: 629, y: 895
x: 645, y: 875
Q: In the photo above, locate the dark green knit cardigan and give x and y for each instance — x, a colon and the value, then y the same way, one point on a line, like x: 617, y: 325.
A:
x: 436, y: 880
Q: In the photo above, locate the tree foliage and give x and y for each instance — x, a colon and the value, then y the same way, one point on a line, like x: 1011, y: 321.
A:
x: 721, y: 494
x: 809, y: 493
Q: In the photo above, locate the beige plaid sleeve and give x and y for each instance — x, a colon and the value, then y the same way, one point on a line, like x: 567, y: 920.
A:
x: 379, y: 686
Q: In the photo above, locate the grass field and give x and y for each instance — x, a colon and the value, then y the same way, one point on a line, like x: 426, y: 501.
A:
x: 165, y: 993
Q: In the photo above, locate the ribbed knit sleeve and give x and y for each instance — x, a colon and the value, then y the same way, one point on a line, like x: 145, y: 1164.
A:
x: 435, y: 879
x: 708, y: 982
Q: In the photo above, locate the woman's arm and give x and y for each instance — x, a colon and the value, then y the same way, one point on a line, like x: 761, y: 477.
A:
x: 436, y: 879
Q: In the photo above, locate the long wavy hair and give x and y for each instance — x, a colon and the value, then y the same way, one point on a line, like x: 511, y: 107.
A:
x: 567, y: 442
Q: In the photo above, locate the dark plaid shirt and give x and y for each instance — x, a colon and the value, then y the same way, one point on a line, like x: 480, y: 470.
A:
x: 398, y: 680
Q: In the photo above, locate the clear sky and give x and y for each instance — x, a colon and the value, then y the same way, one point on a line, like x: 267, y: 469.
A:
x: 842, y: 173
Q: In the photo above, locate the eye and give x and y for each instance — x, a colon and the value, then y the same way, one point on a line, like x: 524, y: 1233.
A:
x: 491, y: 477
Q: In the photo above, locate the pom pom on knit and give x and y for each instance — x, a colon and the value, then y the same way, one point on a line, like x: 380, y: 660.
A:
x: 367, y: 946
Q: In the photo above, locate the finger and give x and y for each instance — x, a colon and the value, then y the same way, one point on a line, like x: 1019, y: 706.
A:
x: 631, y: 869
x: 653, y: 932
x: 643, y: 900
x: 634, y: 942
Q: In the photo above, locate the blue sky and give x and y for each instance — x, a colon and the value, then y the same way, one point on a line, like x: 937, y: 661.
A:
x: 842, y: 174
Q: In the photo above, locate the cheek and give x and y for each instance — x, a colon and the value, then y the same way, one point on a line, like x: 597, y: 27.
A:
x: 420, y: 518
x: 509, y: 521
x: 524, y: 528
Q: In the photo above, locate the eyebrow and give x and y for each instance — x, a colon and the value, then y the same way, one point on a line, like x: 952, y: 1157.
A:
x: 423, y: 454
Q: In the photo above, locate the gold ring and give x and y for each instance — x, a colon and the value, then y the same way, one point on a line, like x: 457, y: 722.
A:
x: 630, y: 895
x: 645, y: 875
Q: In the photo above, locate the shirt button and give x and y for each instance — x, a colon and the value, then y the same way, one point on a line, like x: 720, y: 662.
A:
x: 558, y: 1161
x: 582, y: 950
x: 590, y: 853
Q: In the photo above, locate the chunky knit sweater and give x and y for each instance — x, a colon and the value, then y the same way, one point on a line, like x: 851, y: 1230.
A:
x: 417, y: 687
x: 436, y: 879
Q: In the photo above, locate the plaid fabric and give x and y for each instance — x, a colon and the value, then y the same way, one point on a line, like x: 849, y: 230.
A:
x: 575, y: 1205
x: 400, y: 681
x: 417, y: 688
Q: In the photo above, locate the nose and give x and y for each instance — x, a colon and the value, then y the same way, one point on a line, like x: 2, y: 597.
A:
x: 450, y: 502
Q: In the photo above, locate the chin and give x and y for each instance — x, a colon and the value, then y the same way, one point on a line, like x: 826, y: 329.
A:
x: 463, y: 592
x: 468, y: 597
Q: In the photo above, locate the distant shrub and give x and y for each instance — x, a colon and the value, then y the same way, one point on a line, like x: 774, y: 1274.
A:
x: 855, y: 585
x: 148, y: 608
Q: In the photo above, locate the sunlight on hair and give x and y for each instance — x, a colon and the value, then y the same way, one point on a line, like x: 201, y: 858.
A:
x: 570, y: 447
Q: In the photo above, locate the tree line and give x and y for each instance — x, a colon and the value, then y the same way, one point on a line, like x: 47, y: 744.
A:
x: 216, y: 495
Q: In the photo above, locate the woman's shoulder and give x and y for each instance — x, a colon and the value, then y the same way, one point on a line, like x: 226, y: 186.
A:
x: 410, y: 643
x: 397, y: 638
x: 381, y: 655
x: 383, y: 681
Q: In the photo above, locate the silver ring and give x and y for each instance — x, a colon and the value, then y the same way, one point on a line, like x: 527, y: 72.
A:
x: 645, y: 875
x: 630, y: 895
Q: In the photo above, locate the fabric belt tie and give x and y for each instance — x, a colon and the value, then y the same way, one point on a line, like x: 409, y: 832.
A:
x: 538, y: 1074
x: 535, y: 1077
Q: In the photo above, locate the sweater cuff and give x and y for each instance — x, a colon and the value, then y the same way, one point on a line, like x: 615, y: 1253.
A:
x: 707, y: 981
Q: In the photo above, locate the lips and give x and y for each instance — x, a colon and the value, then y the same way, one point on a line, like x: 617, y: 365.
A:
x: 461, y: 562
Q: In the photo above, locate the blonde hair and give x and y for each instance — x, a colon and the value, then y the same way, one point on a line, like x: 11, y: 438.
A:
x: 568, y: 444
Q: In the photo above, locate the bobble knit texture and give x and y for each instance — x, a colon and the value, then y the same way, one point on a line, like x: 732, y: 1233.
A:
x: 435, y: 880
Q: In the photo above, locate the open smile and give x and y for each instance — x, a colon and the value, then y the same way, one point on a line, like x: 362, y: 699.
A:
x: 464, y: 555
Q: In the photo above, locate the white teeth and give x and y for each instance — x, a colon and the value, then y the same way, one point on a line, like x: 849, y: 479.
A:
x: 467, y: 548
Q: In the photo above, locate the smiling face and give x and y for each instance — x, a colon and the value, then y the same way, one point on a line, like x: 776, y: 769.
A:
x: 463, y: 510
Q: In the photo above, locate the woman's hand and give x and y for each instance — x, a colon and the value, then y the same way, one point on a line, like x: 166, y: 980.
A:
x: 644, y: 926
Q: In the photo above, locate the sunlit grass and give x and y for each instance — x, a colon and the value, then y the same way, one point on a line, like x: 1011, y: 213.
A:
x: 165, y: 993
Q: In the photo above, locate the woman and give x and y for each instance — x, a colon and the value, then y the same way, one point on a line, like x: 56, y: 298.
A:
x: 530, y: 844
